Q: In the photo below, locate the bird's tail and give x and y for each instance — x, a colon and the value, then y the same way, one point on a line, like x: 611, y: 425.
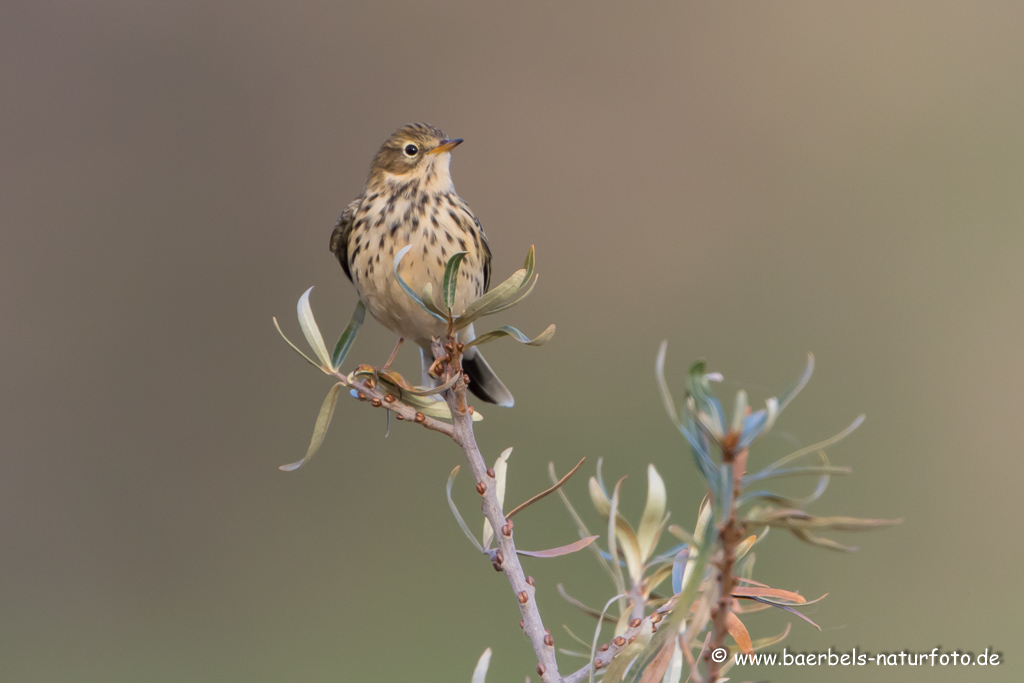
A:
x: 484, y: 384
x: 482, y: 380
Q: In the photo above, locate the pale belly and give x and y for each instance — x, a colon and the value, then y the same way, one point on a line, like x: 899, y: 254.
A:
x: 425, y: 262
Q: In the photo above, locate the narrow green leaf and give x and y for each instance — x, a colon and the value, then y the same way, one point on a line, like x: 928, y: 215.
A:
x: 531, y: 258
x: 323, y: 421
x: 428, y: 300
x: 669, y: 629
x: 597, y: 630
x: 497, y: 296
x: 805, y: 377
x: 348, y: 336
x: 451, y: 279
x: 653, y: 518
x: 408, y: 290
x: 520, y: 295
x: 430, y: 391
x: 580, y: 526
x: 297, y: 349
x: 500, y: 478
x: 659, y: 374
x: 820, y: 446
x: 455, y: 510
x: 509, y: 331
x: 312, y: 333
x: 796, y: 472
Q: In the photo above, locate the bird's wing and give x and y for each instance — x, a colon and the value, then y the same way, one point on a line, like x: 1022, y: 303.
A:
x: 342, y: 231
x: 485, y: 256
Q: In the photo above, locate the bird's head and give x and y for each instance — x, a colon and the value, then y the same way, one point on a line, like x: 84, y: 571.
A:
x: 416, y: 152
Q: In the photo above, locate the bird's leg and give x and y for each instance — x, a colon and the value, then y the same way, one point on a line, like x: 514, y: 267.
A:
x: 394, y: 353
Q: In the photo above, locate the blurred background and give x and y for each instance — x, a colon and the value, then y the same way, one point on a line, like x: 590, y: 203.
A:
x: 750, y: 181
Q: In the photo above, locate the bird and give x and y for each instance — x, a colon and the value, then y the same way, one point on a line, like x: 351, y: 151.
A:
x: 409, y: 200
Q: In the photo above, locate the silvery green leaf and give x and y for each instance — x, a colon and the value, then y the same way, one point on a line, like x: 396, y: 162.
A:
x: 520, y: 295
x: 312, y: 333
x: 620, y: 528
x: 496, y: 297
x: 348, y: 336
x: 659, y: 374
x: 678, y: 565
x: 428, y: 300
x: 597, y: 630
x: 675, y: 666
x: 528, y: 265
x: 814, y: 448
x: 430, y: 391
x: 788, y: 396
x: 653, y: 518
x: 669, y: 629
x: 739, y: 411
x: 408, y: 290
x: 451, y: 278
x: 500, y: 477
x: 752, y: 425
x: 705, y: 465
x: 772, y: 409
x: 480, y: 672
x: 323, y: 421
x: 432, y: 407
x: 455, y: 510
x: 509, y: 331
x: 297, y: 349
x: 814, y: 470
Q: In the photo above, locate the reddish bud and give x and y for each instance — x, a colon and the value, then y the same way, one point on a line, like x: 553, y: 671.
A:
x: 604, y: 648
x: 490, y: 472
x: 598, y: 663
x: 529, y: 580
x: 398, y: 416
x: 619, y: 641
x: 506, y: 530
x: 522, y: 624
x: 549, y: 641
x: 481, y: 488
x: 524, y: 597
x: 388, y: 398
x: 634, y: 623
x: 375, y: 403
x: 421, y: 418
x: 541, y: 669
x: 631, y: 639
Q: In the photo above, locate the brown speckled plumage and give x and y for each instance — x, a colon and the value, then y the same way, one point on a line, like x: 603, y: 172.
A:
x: 409, y: 199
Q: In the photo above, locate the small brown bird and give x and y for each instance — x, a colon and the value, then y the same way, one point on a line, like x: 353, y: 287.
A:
x: 409, y: 199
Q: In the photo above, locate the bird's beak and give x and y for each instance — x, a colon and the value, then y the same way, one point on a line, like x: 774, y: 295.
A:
x: 446, y: 146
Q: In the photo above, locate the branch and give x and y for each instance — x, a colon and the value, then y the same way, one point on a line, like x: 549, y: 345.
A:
x: 372, y: 393
x: 729, y: 536
x: 507, y: 560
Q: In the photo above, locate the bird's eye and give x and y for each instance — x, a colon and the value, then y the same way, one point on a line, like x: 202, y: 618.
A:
x: 411, y: 150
